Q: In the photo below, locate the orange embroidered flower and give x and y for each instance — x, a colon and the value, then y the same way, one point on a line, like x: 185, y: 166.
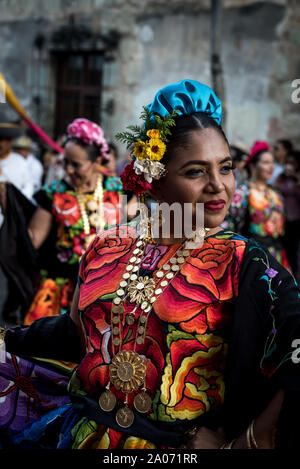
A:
x: 192, y: 382
x: 257, y: 199
x: 274, y: 225
x: 46, y: 302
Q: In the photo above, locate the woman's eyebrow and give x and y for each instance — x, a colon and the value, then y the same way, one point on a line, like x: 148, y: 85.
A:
x: 205, y: 163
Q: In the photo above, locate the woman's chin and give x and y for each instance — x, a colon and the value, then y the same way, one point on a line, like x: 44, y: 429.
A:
x: 213, y: 221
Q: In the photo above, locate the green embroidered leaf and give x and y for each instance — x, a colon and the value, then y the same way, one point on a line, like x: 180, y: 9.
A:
x: 128, y: 335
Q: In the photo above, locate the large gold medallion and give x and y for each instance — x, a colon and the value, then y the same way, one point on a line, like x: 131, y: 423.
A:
x: 127, y: 371
x: 124, y: 417
x: 141, y: 289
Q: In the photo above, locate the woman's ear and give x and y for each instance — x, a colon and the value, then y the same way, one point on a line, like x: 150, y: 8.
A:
x: 99, y: 167
x: 99, y: 160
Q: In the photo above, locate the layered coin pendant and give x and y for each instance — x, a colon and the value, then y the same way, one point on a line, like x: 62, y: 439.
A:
x: 107, y: 401
x: 124, y: 417
x: 142, y: 402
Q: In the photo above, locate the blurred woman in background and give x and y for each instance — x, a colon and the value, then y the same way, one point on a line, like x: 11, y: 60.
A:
x: 70, y: 213
x: 257, y: 209
x: 289, y: 185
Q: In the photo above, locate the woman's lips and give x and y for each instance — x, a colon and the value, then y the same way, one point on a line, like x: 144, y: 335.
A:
x: 215, y: 205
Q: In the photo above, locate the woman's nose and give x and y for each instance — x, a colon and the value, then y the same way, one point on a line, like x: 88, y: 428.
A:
x: 216, y: 183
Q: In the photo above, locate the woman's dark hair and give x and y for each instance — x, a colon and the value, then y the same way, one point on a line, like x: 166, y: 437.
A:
x: 93, y: 151
x: 238, y: 154
x: 185, y: 124
x: 113, y: 147
x: 287, y: 144
x: 295, y: 154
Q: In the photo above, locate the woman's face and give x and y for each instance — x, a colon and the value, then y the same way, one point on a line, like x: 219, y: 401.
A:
x: 280, y: 151
x: 200, y: 172
x: 264, y: 168
x: 112, y: 164
x: 291, y: 166
x: 77, y: 164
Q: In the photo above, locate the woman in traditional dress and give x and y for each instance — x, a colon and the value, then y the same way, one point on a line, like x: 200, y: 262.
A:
x: 70, y: 213
x: 257, y: 209
x: 182, y: 340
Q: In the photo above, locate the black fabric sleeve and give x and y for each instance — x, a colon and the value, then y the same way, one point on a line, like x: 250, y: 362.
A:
x: 266, y: 322
x: 43, y: 200
x: 54, y: 337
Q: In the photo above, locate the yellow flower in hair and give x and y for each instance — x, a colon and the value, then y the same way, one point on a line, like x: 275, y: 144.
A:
x: 153, y: 133
x: 155, y: 149
x: 139, y: 150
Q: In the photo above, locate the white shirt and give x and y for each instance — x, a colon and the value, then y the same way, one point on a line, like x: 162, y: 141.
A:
x: 36, y: 171
x: 14, y: 169
x: 278, y: 169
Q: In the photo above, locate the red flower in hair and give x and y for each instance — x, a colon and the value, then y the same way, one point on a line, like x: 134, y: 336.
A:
x: 257, y: 147
x: 134, y: 182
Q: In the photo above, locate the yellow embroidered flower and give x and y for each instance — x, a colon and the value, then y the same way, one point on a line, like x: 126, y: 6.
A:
x: 139, y: 150
x: 153, y: 133
x: 155, y: 149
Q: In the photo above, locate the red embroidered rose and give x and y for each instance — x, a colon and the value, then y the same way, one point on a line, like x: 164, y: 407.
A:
x: 66, y: 209
x: 104, y: 263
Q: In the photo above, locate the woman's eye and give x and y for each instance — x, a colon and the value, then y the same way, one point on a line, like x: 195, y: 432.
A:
x: 194, y: 172
x: 226, y: 169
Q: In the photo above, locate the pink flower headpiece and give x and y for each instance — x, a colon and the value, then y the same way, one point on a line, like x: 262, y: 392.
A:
x: 90, y: 133
x: 257, y: 147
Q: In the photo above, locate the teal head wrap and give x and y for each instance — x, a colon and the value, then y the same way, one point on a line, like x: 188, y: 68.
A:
x: 187, y: 97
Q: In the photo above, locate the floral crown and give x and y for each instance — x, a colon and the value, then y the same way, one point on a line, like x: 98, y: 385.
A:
x: 258, y: 146
x: 149, y: 147
x: 89, y: 132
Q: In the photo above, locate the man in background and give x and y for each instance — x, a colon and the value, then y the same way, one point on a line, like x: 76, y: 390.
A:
x: 23, y: 145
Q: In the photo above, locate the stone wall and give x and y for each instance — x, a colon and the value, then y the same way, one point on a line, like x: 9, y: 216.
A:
x: 165, y: 41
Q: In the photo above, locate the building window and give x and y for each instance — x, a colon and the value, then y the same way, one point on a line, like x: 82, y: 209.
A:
x: 78, y: 87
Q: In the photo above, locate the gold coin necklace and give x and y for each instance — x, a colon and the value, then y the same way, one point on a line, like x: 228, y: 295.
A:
x: 127, y: 370
x: 95, y: 218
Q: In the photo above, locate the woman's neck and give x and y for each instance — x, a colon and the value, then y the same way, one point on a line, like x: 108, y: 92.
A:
x: 88, y: 186
x: 259, y: 183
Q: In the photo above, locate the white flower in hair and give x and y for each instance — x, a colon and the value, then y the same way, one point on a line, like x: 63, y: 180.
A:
x: 149, y: 169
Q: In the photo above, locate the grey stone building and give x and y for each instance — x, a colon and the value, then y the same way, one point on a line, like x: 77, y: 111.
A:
x: 104, y: 59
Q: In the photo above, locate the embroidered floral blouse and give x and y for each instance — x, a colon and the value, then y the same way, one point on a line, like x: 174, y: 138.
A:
x: 60, y: 199
x: 256, y: 211
x: 186, y: 338
x: 225, y: 329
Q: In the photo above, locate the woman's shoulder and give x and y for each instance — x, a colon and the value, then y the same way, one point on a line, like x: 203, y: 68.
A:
x: 113, y: 183
x: 226, y: 234
x: 60, y: 186
x: 116, y: 237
